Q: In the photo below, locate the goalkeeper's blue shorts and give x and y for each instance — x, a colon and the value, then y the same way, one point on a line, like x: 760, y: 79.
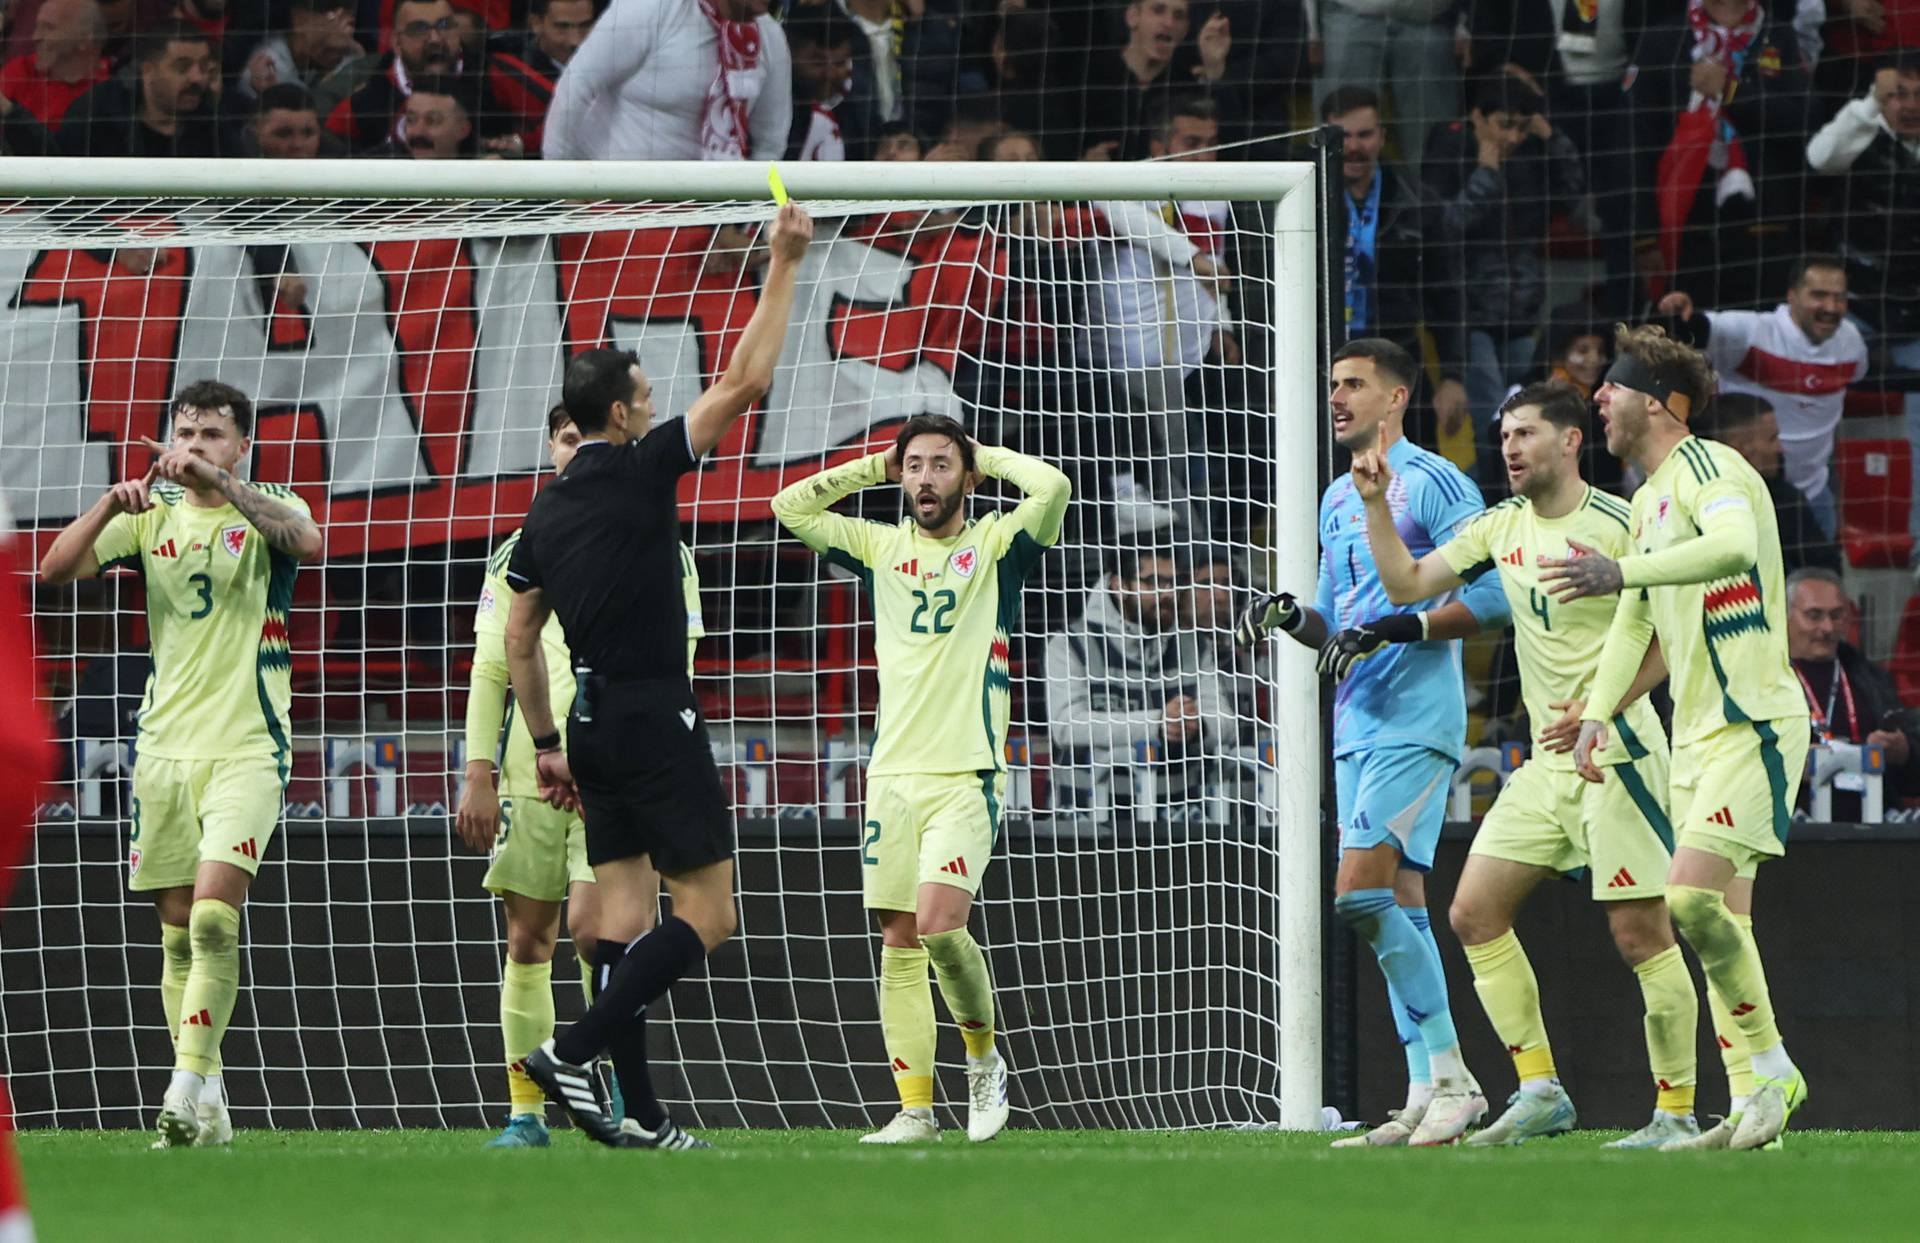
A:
x: 1394, y: 794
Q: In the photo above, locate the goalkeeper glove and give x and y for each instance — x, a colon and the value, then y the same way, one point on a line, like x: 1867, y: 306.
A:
x: 1268, y: 612
x: 1354, y: 644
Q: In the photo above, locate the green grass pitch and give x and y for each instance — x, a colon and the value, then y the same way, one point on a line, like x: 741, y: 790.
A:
x: 1049, y: 1186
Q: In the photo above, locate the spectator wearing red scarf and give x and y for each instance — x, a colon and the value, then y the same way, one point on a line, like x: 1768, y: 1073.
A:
x: 675, y: 80
x: 1720, y: 101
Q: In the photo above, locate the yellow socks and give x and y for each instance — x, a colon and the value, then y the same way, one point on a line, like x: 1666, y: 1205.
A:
x: 206, y: 1003
x: 961, y: 968
x: 906, y: 1021
x: 526, y: 1019
x: 1511, y: 997
x: 1734, y: 1053
x: 1673, y: 1016
x: 1731, y: 961
x: 176, y: 960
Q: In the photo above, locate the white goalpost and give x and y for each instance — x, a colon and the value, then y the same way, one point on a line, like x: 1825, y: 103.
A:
x: 1153, y: 915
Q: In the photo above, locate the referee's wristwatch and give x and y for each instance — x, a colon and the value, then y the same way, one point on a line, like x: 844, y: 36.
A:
x: 547, y: 742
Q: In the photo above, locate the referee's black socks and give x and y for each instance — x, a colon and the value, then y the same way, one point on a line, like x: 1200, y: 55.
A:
x: 628, y: 1048
x: 642, y: 976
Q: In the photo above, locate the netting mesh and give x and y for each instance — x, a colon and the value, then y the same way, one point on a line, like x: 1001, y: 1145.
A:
x: 402, y: 368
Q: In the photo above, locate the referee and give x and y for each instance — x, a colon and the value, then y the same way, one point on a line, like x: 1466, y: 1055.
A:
x: 601, y: 548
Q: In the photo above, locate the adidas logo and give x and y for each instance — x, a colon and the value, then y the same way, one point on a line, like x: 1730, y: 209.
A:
x: 1622, y: 879
x: 166, y: 550
x: 249, y: 849
x: 1744, y: 1008
x: 900, y: 1063
x: 956, y: 868
x: 1724, y: 1042
x: 1722, y: 817
x: 973, y: 1025
x: 1663, y: 1085
x: 202, y: 1019
x: 1516, y: 557
x: 1514, y: 1048
x: 910, y: 568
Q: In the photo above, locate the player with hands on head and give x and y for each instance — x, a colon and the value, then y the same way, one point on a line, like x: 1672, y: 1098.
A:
x: 1704, y: 575
x: 1399, y: 720
x: 1547, y: 821
x: 944, y: 588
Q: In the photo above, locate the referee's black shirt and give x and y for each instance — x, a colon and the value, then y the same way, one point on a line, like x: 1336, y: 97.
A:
x: 602, y: 541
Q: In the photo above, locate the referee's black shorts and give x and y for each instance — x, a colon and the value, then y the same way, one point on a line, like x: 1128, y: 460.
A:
x: 648, y: 785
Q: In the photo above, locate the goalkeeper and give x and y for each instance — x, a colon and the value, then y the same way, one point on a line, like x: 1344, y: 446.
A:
x: 539, y: 852
x: 945, y: 592
x: 1399, y: 722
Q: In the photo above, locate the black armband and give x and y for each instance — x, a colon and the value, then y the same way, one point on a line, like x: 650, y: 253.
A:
x: 547, y: 742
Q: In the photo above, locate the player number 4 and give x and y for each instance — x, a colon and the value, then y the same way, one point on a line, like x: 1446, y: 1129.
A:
x: 942, y: 603
x: 1539, y: 603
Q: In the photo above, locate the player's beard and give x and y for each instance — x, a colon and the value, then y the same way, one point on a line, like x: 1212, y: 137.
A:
x: 944, y: 509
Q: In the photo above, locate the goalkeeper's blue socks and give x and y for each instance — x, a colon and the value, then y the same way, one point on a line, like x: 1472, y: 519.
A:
x: 1411, y: 962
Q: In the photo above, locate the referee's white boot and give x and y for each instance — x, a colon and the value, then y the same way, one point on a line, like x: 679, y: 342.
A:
x: 909, y: 1126
x: 986, y: 1097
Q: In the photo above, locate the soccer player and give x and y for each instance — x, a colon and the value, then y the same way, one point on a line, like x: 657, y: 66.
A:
x: 1547, y: 821
x: 539, y: 851
x: 600, y: 550
x: 1399, y: 722
x: 217, y: 556
x: 1705, y: 578
x: 945, y: 590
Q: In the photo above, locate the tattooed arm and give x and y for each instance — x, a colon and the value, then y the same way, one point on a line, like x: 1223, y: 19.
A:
x: 286, y: 529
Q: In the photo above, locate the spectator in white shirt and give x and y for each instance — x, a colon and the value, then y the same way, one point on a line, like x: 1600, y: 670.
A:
x: 675, y: 80
x: 1801, y: 357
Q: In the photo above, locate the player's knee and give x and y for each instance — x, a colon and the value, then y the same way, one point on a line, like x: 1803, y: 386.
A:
x: 1360, y: 909
x: 1694, y: 908
x: 214, y: 927
x: 530, y: 945
x: 947, y: 948
x: 1639, y: 934
x: 1473, y: 922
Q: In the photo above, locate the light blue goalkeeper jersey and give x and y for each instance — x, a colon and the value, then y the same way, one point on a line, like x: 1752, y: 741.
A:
x: 1405, y: 694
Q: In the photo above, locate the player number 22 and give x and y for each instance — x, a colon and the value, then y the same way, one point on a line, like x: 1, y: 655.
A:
x: 942, y: 603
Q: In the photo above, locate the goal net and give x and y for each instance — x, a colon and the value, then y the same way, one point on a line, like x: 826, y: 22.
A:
x: 1152, y: 915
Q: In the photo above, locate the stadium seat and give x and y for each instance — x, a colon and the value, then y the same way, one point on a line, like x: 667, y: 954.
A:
x: 1905, y: 664
x: 1876, y: 487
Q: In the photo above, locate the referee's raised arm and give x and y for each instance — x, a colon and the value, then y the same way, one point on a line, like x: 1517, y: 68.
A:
x: 750, y: 372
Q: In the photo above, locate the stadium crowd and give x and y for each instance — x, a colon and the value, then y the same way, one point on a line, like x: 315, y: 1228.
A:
x: 1516, y: 177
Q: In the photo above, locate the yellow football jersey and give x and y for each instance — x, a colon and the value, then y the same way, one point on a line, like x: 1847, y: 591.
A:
x: 490, y: 647
x: 217, y: 594
x: 1558, y: 644
x: 943, y: 609
x: 1724, y: 640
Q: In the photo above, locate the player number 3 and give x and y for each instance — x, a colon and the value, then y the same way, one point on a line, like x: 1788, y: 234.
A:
x: 203, y: 585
